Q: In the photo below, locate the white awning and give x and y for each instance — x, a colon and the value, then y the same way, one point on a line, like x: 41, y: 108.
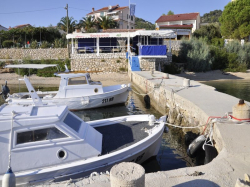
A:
x: 98, y: 35
x: 154, y: 33
x: 31, y: 66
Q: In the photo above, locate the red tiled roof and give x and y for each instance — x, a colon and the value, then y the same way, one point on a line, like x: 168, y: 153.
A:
x: 107, y: 8
x: 176, y: 26
x: 177, y: 17
x: 20, y: 26
x: 24, y: 25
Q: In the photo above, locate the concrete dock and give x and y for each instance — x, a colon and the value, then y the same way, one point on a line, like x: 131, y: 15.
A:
x: 195, y: 104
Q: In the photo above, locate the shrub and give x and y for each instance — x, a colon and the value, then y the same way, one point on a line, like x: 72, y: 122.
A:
x: 219, y: 58
x: 8, y: 43
x: 234, y: 65
x: 233, y: 47
x: 218, y: 42
x: 45, y: 44
x: 171, y: 69
x: 103, y: 60
x: 59, y: 43
x: 33, y: 44
x: 243, y: 55
x: 118, y: 61
x: 2, y: 64
x: 196, y: 54
x: 123, y: 69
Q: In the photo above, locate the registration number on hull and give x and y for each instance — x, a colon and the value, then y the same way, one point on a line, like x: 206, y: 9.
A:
x: 108, y: 100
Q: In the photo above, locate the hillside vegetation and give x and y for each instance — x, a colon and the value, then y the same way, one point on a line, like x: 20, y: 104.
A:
x: 211, y: 17
x: 142, y: 24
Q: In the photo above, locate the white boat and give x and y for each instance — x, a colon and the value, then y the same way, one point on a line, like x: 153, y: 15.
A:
x: 50, y: 143
x: 76, y: 90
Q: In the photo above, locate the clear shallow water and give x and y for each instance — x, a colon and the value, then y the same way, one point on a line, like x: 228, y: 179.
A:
x: 172, y: 153
x: 236, y: 88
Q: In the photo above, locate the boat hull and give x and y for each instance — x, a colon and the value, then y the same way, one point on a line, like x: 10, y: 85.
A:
x: 138, y: 153
x: 85, y: 102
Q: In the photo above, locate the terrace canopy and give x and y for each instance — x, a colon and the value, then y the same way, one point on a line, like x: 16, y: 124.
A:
x: 140, y: 33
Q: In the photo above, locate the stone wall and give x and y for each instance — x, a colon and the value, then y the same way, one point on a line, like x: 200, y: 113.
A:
x: 36, y: 54
x: 101, y: 55
x: 114, y: 62
x: 180, y: 111
x: 156, y: 63
x: 106, y: 62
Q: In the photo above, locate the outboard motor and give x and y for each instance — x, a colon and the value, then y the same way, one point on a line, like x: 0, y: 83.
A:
x: 5, y: 91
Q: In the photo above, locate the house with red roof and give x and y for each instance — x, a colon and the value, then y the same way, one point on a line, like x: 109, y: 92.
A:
x: 184, y: 23
x: 20, y: 26
x: 120, y: 14
x: 2, y: 28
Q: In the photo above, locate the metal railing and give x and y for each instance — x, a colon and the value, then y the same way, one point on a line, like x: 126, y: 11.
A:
x: 102, y: 49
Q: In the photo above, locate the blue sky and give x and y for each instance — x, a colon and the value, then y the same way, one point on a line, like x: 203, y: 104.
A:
x: 148, y: 10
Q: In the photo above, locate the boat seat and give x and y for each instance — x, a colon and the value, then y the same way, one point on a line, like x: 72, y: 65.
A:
x: 25, y: 96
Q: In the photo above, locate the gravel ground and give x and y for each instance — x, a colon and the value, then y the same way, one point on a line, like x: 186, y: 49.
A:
x: 105, y: 78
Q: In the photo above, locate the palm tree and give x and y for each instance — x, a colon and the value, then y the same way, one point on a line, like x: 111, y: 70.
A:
x: 87, y: 23
x: 106, y: 22
x: 63, y: 24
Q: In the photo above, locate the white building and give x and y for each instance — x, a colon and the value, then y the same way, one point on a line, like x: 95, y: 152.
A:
x: 120, y: 14
x: 3, y: 28
x: 190, y: 22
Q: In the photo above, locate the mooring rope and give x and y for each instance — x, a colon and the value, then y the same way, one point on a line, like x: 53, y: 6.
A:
x: 184, y: 127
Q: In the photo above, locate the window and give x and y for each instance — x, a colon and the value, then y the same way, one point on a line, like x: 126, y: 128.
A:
x: 39, y: 135
x: 127, y: 27
x: 102, y: 14
x: 132, y: 27
x: 132, y: 17
x: 72, y: 122
x: 77, y: 81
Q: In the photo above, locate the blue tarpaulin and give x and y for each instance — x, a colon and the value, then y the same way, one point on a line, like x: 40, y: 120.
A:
x: 153, y: 50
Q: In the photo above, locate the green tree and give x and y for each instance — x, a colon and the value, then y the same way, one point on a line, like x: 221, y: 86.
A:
x: 235, y: 19
x: 87, y: 23
x: 211, y: 17
x: 106, y: 22
x: 208, y: 32
x: 170, y: 12
x: 63, y: 24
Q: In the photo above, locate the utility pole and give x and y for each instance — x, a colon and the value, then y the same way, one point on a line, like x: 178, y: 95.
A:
x: 67, y: 9
x: 40, y: 37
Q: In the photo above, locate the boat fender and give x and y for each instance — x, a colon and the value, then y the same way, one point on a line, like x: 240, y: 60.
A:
x: 210, y: 153
x: 5, y: 91
x: 195, y: 146
x: 166, y: 129
x: 9, y: 179
x: 147, y: 100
